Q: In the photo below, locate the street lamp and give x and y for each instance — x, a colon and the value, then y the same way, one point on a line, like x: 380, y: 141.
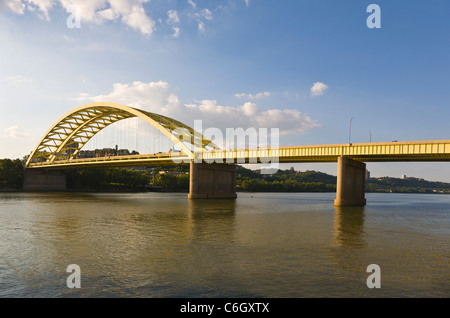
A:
x: 350, y: 133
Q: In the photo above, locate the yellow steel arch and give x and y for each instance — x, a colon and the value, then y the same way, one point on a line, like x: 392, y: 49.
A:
x: 73, y: 130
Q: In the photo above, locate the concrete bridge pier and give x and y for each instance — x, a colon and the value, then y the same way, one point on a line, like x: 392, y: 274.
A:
x: 212, y: 181
x: 44, y: 180
x: 350, y: 187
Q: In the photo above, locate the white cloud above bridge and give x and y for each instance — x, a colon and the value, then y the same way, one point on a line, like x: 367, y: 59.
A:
x: 159, y: 97
x: 15, y: 132
x: 253, y: 96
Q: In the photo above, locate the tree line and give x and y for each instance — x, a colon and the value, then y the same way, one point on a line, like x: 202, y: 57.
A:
x: 285, y: 186
x: 12, y: 177
x: 106, y: 179
x: 11, y: 174
x: 284, y: 181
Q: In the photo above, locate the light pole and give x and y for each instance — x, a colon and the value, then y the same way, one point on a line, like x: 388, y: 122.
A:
x: 350, y: 133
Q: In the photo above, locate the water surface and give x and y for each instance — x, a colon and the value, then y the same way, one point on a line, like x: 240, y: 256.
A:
x: 261, y: 245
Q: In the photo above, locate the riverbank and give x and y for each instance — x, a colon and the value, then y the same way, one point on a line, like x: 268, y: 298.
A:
x: 175, y: 179
x: 149, y: 190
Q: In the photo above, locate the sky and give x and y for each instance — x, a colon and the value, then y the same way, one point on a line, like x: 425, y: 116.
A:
x: 306, y: 67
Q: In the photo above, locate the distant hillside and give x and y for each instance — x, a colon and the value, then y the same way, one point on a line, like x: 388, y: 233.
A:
x: 409, y: 185
x: 297, y: 181
x: 314, y: 181
x: 284, y: 181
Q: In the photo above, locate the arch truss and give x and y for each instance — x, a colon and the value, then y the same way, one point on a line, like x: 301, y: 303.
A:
x: 65, y: 139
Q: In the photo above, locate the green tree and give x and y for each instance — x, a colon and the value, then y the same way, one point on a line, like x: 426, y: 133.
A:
x: 11, y: 173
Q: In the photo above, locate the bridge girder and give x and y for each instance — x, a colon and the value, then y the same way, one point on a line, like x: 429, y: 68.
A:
x: 67, y: 136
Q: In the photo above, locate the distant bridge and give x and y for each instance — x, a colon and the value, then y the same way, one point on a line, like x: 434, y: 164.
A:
x: 61, y: 144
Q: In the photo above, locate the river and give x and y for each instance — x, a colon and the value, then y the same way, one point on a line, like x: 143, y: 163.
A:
x: 271, y: 245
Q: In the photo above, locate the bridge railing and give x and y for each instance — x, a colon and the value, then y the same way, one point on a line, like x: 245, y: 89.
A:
x: 393, y: 151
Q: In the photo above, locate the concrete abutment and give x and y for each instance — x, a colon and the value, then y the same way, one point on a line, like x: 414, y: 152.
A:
x: 351, y: 182
x: 44, y: 180
x: 212, y: 181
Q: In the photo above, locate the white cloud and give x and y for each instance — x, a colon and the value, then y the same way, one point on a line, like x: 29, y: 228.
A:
x: 201, y: 27
x: 205, y: 13
x: 161, y: 98
x: 247, y: 3
x: 249, y: 109
x: 192, y: 3
x: 173, y: 17
x: 42, y: 5
x: 318, y: 89
x: 176, y: 32
x: 290, y: 121
x: 15, y: 6
x: 108, y: 14
x: 251, y: 96
x: 129, y: 12
x: 201, y: 16
x: 156, y: 97
x: 19, y: 79
x: 15, y: 132
x: 137, y: 19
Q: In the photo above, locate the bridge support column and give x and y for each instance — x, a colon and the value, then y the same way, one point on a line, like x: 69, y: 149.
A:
x: 212, y: 181
x: 44, y: 180
x: 350, y: 187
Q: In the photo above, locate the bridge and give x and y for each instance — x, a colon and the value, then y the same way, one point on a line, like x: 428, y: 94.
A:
x: 212, y: 170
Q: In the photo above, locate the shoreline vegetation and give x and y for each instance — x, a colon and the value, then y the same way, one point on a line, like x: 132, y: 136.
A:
x: 176, y: 179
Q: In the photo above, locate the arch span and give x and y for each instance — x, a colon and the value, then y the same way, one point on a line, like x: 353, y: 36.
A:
x: 73, y: 130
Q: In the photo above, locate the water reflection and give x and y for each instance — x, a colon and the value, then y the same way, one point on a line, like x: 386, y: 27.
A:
x: 212, y: 208
x: 268, y: 245
x: 212, y: 218
x: 349, y: 227
x: 130, y: 240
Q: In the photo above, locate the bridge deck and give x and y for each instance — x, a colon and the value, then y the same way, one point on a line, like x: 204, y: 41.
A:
x: 437, y: 150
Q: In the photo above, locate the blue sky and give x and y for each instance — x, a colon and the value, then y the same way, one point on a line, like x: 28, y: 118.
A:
x: 234, y: 62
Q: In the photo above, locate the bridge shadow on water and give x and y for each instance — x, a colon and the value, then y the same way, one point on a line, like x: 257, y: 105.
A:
x: 349, y: 227
x: 212, y: 208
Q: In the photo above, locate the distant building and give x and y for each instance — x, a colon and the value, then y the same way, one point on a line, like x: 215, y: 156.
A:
x: 173, y: 173
x: 71, y: 147
x: 403, y: 177
x: 367, y: 174
x: 106, y: 152
x: 122, y: 152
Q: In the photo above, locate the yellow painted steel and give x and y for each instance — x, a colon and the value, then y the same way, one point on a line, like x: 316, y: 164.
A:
x: 71, y: 132
x: 376, y: 152
x: 114, y: 161
x: 434, y: 150
x: 63, y: 141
